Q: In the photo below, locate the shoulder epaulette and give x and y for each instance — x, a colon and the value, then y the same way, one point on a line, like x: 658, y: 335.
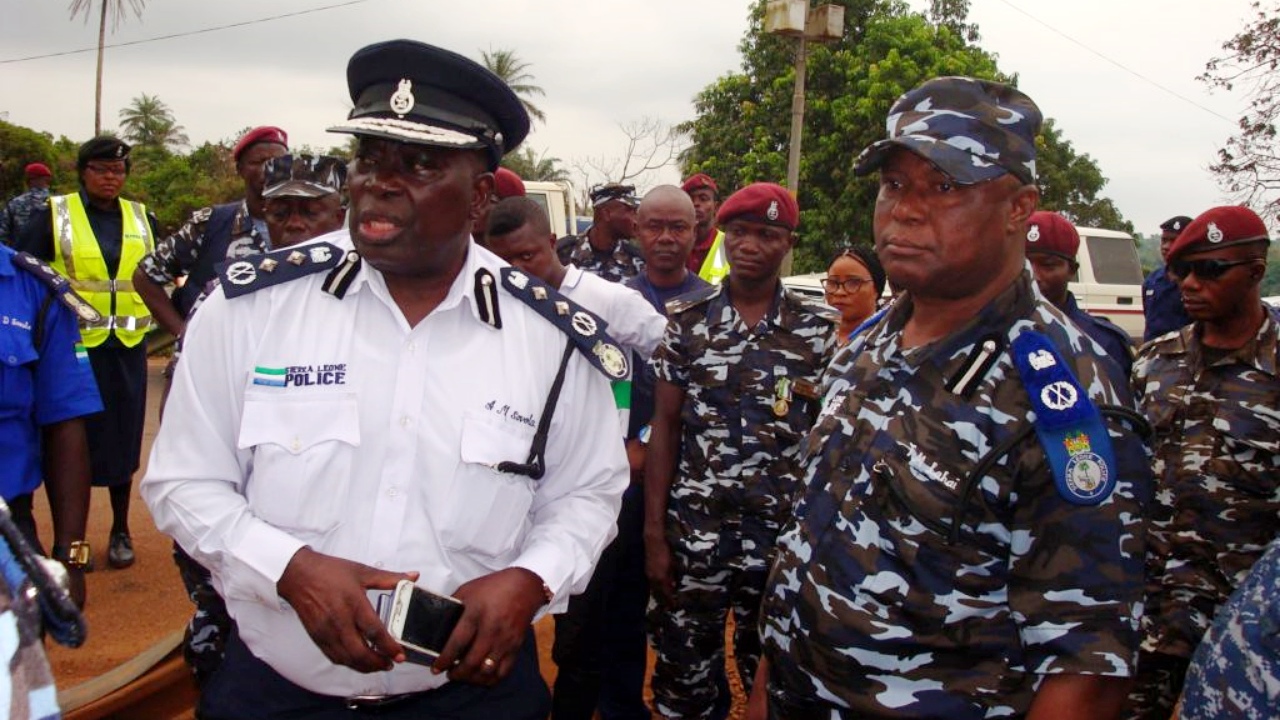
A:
x: 256, y: 272
x: 692, y: 299
x: 1070, y: 427
x: 201, y: 216
x: 60, y: 286
x: 585, y: 328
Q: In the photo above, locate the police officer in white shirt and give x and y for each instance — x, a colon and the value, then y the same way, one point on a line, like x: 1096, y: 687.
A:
x: 381, y: 404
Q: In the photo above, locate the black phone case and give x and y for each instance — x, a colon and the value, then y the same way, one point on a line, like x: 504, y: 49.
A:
x: 429, y: 623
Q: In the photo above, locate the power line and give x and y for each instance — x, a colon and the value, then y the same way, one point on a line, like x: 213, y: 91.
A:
x: 1132, y: 72
x: 186, y: 34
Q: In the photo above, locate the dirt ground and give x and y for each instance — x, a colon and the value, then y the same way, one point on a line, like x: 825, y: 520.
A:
x: 129, y: 611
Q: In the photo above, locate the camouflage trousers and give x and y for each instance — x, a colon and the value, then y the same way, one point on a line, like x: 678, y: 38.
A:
x: 1157, y: 686
x: 205, y: 640
x: 716, y: 573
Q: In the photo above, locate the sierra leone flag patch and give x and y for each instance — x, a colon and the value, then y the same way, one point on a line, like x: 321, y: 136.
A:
x: 82, y: 355
x: 273, y: 377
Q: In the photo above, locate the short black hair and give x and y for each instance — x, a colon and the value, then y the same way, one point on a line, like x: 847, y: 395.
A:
x: 513, y: 213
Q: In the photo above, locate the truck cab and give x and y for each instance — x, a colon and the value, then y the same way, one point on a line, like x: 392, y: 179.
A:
x: 1109, y: 281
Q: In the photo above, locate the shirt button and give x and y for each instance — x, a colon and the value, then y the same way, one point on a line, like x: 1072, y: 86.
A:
x: 405, y: 421
x: 296, y: 445
x: 393, y: 491
x: 378, y: 564
x: 13, y: 360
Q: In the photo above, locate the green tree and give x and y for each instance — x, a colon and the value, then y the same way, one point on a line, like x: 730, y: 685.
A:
x: 18, y: 147
x: 1248, y: 166
x: 116, y: 10
x: 530, y: 165
x: 148, y: 122
x: 953, y: 15
x: 741, y: 131
x: 515, y: 73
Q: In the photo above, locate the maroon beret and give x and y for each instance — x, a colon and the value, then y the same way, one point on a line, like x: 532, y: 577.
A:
x: 37, y: 170
x: 761, y: 202
x: 1049, y: 232
x: 507, y: 184
x: 1217, y: 228
x: 260, y: 134
x: 699, y: 181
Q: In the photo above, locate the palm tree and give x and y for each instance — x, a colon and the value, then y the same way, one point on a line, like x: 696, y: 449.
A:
x: 512, y: 70
x: 116, y: 9
x: 531, y: 166
x: 148, y: 121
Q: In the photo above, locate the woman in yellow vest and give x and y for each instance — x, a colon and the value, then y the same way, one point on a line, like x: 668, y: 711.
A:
x: 96, y: 238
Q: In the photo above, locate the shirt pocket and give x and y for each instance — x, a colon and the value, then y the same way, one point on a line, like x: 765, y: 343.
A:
x: 302, y: 458
x: 487, y: 511
x: 17, y: 381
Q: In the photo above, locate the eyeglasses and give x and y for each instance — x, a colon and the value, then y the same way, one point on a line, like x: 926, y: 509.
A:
x: 849, y: 285
x: 116, y: 170
x: 1210, y: 269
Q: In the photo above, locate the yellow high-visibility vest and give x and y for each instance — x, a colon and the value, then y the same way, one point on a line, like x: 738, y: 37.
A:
x: 78, y: 256
x: 716, y: 264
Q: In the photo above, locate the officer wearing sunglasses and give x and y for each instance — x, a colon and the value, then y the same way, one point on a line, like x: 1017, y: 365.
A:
x: 1215, y: 452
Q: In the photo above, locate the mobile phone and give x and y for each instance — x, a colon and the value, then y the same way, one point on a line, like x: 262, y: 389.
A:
x: 421, y: 621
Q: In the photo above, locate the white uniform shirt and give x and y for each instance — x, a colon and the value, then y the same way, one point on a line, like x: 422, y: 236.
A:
x: 297, y: 418
x: 632, y: 322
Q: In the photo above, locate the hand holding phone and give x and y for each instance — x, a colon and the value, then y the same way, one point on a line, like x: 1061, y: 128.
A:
x: 421, y: 621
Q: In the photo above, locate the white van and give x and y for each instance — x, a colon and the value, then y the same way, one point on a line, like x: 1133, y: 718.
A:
x: 557, y: 199
x: 1108, y: 283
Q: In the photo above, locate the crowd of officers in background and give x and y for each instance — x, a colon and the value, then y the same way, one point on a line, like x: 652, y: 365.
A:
x: 931, y: 506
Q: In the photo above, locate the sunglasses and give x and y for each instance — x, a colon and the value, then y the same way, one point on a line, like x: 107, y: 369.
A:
x: 1204, y: 269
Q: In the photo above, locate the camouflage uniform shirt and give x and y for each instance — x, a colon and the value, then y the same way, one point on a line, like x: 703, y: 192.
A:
x: 18, y: 212
x: 622, y: 262
x: 737, y: 453
x: 176, y: 255
x: 871, y: 610
x: 1217, y: 464
x: 1236, y: 672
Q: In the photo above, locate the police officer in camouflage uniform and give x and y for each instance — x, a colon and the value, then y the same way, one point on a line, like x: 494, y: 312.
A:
x: 212, y: 236
x: 18, y: 211
x: 605, y: 249
x: 969, y: 540
x: 736, y: 391
x: 1211, y: 391
x: 1236, y: 670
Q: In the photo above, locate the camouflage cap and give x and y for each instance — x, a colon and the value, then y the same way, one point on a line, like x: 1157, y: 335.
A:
x: 971, y: 130
x: 602, y: 194
x: 303, y: 176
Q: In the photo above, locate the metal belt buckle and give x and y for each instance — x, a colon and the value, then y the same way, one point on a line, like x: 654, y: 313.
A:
x: 374, y: 702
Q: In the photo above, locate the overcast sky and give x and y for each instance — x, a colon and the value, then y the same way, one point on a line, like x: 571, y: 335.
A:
x: 603, y: 63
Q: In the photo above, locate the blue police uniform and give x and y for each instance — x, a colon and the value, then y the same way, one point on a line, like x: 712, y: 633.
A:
x: 1162, y: 305
x: 1107, y: 334
x: 44, y: 376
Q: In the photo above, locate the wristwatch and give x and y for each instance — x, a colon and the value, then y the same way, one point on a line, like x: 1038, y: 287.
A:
x: 76, y: 557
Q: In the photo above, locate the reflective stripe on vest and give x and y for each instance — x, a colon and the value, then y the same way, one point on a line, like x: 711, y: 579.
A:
x: 77, y: 254
x: 716, y: 265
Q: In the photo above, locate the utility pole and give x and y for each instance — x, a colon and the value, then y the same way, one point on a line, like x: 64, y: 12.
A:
x: 794, y: 18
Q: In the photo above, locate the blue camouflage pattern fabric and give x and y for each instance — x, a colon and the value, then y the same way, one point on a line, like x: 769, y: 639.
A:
x: 1217, y: 503
x: 975, y: 130
x: 750, y: 397
x: 1110, y: 336
x: 176, y: 255
x: 621, y: 263
x: 18, y: 213
x: 1236, y: 670
x: 873, y: 609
